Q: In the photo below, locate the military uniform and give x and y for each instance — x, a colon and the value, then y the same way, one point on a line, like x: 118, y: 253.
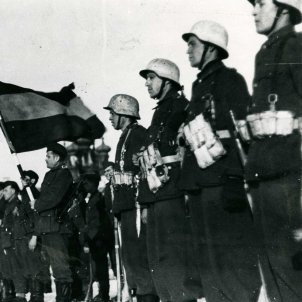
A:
x: 220, y: 215
x: 98, y: 236
x: 54, y: 190
x: 44, y: 274
x: 134, y: 251
x: 167, y: 233
x: 274, y: 166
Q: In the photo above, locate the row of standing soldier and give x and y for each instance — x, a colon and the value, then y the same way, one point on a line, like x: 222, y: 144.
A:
x: 188, y: 228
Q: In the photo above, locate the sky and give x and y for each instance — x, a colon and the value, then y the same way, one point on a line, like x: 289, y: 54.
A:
x: 101, y: 45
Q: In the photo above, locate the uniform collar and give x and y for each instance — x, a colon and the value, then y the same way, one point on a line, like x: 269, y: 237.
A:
x: 128, y: 127
x: 57, y: 168
x: 209, y: 69
x: 276, y: 36
x: 171, y: 94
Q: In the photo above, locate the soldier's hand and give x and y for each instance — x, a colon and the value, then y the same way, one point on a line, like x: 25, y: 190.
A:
x: 86, y: 249
x: 32, y: 204
x: 32, y: 243
x: 16, y: 211
x: 135, y: 158
x: 297, y: 234
x: 144, y: 216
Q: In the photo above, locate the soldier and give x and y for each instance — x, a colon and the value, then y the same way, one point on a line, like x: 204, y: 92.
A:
x: 165, y: 213
x: 97, y: 234
x: 124, y: 113
x: 30, y: 179
x: 274, y: 158
x: 212, y: 172
x: 9, y: 261
x: 53, y: 196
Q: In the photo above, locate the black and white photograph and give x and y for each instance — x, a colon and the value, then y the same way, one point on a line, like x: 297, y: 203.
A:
x: 150, y: 151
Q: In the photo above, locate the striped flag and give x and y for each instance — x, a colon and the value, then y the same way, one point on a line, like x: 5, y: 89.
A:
x: 33, y: 119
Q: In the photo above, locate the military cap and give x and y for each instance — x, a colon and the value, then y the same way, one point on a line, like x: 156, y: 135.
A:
x: 58, y: 149
x: 31, y: 174
x: 12, y: 184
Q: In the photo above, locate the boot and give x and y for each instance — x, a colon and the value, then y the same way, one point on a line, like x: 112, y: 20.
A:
x: 37, y: 291
x: 63, y: 290
x: 8, y: 291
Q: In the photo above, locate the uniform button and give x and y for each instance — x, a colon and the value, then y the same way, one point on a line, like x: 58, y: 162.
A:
x: 255, y: 85
x: 264, y: 46
x: 150, y: 135
x: 256, y: 175
x: 200, y: 80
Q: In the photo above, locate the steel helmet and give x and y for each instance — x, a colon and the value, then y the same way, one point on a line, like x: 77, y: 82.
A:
x: 163, y: 68
x: 296, y: 5
x: 124, y: 104
x: 211, y: 32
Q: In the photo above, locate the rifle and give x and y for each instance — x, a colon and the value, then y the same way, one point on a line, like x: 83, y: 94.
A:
x: 117, y: 259
x: 73, y: 193
x: 117, y: 253
x: 90, y: 280
x: 243, y: 158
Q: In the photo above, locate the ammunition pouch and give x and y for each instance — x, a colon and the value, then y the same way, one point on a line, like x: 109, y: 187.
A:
x: 154, y: 167
x: 47, y: 222
x: 269, y: 123
x: 6, y: 238
x: 123, y: 178
x: 203, y: 142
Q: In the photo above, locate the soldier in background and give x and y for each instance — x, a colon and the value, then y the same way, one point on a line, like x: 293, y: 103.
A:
x: 8, y: 259
x: 212, y: 173
x: 97, y: 234
x: 30, y: 180
x: 168, y: 237
x: 54, y: 194
x: 274, y: 158
x: 25, y: 264
x: 124, y: 113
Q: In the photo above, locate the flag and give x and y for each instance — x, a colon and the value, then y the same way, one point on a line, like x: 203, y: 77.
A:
x: 34, y: 119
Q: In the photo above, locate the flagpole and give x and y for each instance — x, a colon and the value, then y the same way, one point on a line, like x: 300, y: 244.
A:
x: 15, y: 156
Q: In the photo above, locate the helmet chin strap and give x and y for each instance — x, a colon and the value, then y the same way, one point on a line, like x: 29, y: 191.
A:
x: 203, y: 57
x: 118, y: 125
x: 161, y: 90
x: 278, y: 14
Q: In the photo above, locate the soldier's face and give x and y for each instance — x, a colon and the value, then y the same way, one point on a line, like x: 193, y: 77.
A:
x: 264, y: 15
x: 52, y: 160
x: 108, y: 172
x: 115, y: 120
x: 195, y: 51
x: 153, y: 83
x: 8, y: 193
